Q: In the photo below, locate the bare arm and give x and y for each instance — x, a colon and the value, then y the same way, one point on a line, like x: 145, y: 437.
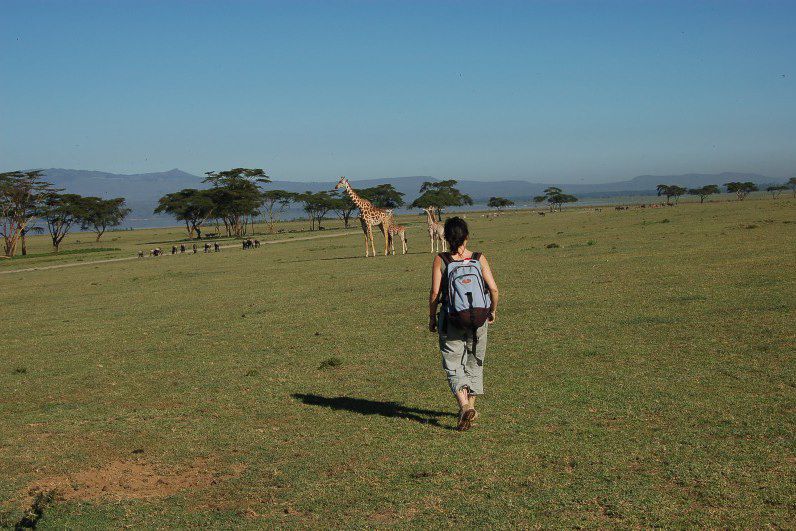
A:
x: 492, y: 285
x: 433, y: 297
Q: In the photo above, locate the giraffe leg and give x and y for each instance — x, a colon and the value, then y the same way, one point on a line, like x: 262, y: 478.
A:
x: 385, y: 230
x: 365, y: 230
x: 370, y: 237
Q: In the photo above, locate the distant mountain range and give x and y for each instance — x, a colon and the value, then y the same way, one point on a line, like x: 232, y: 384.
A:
x: 143, y: 190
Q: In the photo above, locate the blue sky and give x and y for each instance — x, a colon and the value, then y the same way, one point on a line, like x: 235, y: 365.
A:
x: 547, y: 91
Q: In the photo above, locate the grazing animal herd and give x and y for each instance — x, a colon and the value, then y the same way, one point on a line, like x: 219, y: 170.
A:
x: 370, y: 216
x: 157, y: 251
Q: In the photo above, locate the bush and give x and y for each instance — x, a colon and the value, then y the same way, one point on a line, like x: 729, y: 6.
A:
x: 552, y: 246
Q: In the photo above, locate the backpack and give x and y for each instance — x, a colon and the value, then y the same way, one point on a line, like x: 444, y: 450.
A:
x: 465, y: 299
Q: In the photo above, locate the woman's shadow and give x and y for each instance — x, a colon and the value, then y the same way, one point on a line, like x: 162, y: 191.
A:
x: 364, y: 406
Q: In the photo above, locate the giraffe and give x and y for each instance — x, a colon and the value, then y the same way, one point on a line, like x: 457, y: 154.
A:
x: 369, y: 215
x: 400, y: 231
x: 436, y: 231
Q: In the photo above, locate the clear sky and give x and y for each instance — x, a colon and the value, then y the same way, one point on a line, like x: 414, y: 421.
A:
x: 547, y: 91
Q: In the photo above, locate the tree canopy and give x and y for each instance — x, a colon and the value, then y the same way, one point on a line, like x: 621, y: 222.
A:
x: 704, y: 191
x: 343, y: 205
x: 98, y: 214
x: 670, y: 190
x: 275, y: 202
x: 192, y: 206
x: 499, y: 202
x: 60, y: 212
x: 22, y: 195
x: 776, y: 190
x: 741, y: 189
x: 555, y: 197
x: 317, y: 205
x: 440, y: 195
x: 236, y: 196
x: 383, y: 196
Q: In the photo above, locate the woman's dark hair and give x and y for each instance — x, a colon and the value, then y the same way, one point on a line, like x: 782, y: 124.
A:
x: 455, y: 233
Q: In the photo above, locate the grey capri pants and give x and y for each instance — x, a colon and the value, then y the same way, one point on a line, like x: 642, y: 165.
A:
x: 464, y: 367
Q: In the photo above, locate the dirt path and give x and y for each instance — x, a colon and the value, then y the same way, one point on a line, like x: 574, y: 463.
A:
x: 108, y: 260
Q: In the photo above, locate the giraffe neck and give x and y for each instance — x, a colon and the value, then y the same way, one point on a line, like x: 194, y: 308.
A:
x: 358, y: 201
x: 431, y: 222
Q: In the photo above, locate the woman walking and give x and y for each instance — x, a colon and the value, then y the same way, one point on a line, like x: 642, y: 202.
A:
x: 462, y: 281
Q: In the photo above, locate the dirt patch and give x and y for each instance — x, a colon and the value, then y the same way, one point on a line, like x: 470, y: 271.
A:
x: 132, y: 479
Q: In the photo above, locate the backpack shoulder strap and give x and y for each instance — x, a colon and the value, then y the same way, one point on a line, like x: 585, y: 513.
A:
x: 476, y: 256
x: 446, y: 258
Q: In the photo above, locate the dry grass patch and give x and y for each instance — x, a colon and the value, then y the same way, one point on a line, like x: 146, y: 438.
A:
x: 132, y: 479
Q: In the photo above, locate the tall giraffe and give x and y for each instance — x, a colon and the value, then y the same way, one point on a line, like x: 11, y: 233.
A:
x: 400, y: 231
x: 436, y: 231
x: 369, y: 215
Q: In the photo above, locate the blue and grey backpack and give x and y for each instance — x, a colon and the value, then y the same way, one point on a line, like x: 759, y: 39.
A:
x: 465, y: 299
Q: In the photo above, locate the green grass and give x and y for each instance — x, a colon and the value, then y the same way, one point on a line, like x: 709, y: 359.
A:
x: 68, y: 252
x: 646, y: 379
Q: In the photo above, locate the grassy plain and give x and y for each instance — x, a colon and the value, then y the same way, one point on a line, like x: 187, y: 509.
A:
x: 641, y: 374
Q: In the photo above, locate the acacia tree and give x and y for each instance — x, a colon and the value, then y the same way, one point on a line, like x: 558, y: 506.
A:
x: 344, y: 206
x: 192, y: 206
x: 705, y: 191
x: 555, y: 197
x: 98, y: 214
x: 383, y: 196
x: 741, y: 190
x: 499, y: 202
x: 317, y: 206
x: 237, y: 197
x: 670, y: 190
x: 438, y: 195
x: 275, y: 203
x: 60, y: 212
x: 775, y: 191
x: 21, y: 197
x: 792, y: 185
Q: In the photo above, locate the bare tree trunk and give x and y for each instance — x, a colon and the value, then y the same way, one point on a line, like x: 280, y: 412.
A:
x: 24, y: 244
x: 10, y: 244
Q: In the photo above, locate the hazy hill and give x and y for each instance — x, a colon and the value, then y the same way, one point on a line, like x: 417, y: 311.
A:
x: 147, y: 187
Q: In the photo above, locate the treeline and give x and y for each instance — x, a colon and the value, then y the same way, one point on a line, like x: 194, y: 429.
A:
x: 235, y: 201
x: 26, y: 199
x: 740, y: 189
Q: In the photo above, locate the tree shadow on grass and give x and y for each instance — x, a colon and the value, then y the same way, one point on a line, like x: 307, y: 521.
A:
x: 363, y: 406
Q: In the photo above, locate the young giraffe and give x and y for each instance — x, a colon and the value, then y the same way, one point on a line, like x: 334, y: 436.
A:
x: 400, y: 231
x: 436, y: 231
x: 369, y: 215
